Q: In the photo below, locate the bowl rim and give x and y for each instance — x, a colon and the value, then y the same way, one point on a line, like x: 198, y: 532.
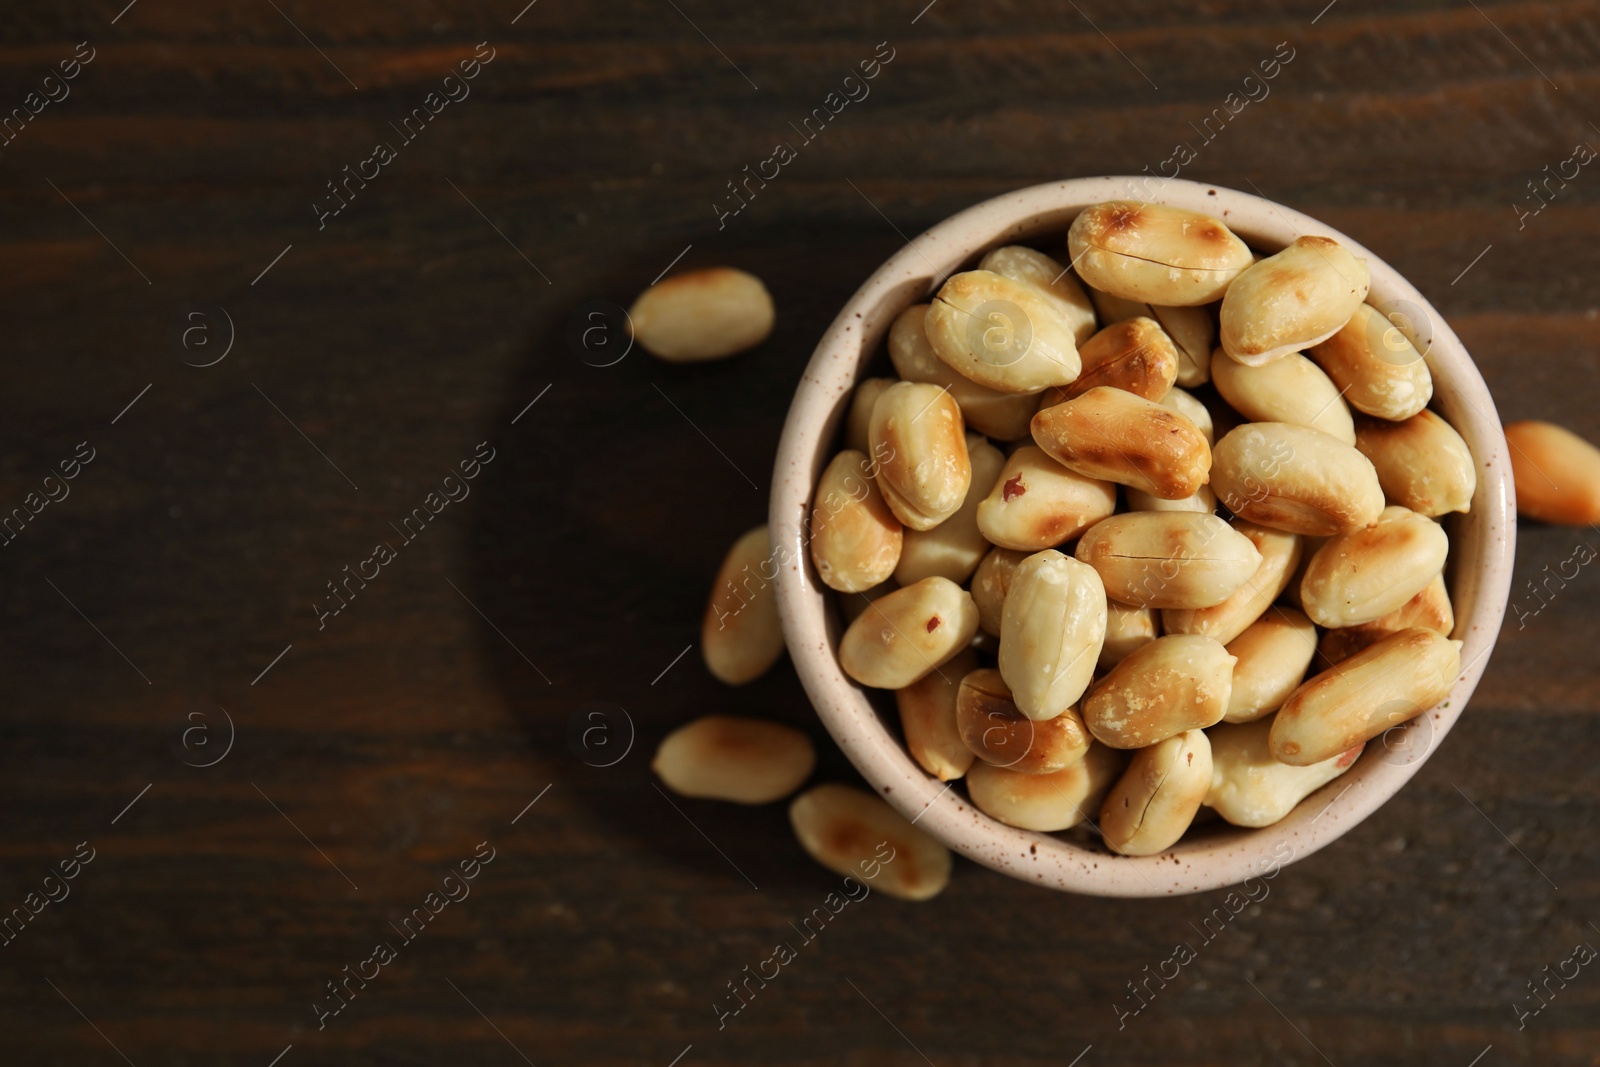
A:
x: 811, y: 627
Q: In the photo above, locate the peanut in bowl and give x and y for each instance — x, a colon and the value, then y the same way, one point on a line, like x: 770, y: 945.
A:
x: 1332, y: 519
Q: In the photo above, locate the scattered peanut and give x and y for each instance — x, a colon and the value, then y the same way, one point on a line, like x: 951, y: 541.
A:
x: 725, y: 757
x: 1557, y: 473
x: 740, y: 635
x: 853, y: 833
x: 702, y: 315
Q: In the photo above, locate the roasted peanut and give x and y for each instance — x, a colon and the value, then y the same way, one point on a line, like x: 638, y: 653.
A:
x: 1051, y: 630
x: 1429, y: 609
x: 1290, y: 389
x: 1292, y: 301
x: 726, y: 757
x: 1155, y: 254
x: 1157, y: 797
x: 1002, y: 333
x: 1116, y: 436
x: 990, y: 582
x: 908, y: 633
x: 1421, y: 462
x: 1127, y: 628
x: 1186, y: 405
x: 997, y: 732
x: 1557, y: 473
x: 1191, y: 329
x: 1135, y: 355
x: 1046, y: 802
x: 1161, y: 689
x: 1168, y: 559
x: 1272, y: 657
x: 1251, y: 788
x: 954, y: 548
x: 1363, y: 575
x: 921, y: 450
x: 1003, y: 416
x: 855, y: 538
x: 1396, y: 679
x: 1280, y: 558
x: 702, y: 315
x: 1037, y: 503
x: 1295, y: 478
x: 1377, y: 366
x: 1203, y: 500
x: 928, y: 719
x: 1022, y: 264
x: 858, y: 423
x: 855, y: 834
x: 740, y: 635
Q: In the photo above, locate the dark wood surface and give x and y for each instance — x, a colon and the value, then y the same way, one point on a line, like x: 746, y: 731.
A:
x: 381, y: 749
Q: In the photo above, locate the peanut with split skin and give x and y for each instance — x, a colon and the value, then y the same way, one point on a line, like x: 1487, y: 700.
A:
x: 702, y: 315
x: 908, y: 634
x: 954, y: 548
x: 1393, y: 681
x: 1022, y: 264
x: 1157, y: 797
x: 1161, y: 689
x: 848, y: 829
x: 740, y: 635
x: 1291, y: 389
x: 924, y: 470
x: 1168, y: 559
x: 1115, y: 436
x: 855, y: 539
x: 1365, y: 574
x: 1293, y: 300
x: 1046, y: 802
x: 1036, y: 503
x: 998, y: 733
x: 1002, y: 333
x: 1155, y: 254
x: 928, y: 719
x: 1251, y: 788
x: 1051, y: 630
x: 1557, y: 473
x: 1375, y: 364
x: 1191, y: 330
x: 1421, y: 462
x: 1003, y: 416
x: 1295, y: 478
x: 726, y: 757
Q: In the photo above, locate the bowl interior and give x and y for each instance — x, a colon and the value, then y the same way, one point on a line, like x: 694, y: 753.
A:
x: 1479, y: 574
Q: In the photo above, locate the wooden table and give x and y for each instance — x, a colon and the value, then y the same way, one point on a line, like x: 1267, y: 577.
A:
x: 175, y: 197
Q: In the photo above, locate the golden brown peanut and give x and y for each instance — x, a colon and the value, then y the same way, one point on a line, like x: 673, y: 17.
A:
x: 1290, y: 389
x: 727, y: 757
x: 1186, y: 405
x: 1250, y: 788
x: 1191, y: 329
x: 954, y: 548
x: 740, y: 635
x: 990, y: 582
x: 921, y: 449
x: 1280, y: 558
x: 1002, y: 333
x: 1168, y: 559
x: 1202, y: 500
x: 1029, y: 267
x: 1003, y: 416
x: 1273, y: 655
x: 1363, y: 575
x: 1377, y: 366
x: 855, y: 538
x: 1422, y: 463
x: 1135, y: 355
x: 1127, y: 628
x: 702, y: 315
x: 851, y: 605
x: 1051, y: 630
x: 997, y: 732
x: 1295, y: 478
x: 1161, y: 689
x: 908, y: 633
x: 1396, y: 679
x: 1155, y: 254
x: 1557, y: 473
x: 857, y: 433
x: 1291, y: 301
x: 1037, y: 503
x: 1429, y: 609
x: 855, y: 834
x: 1046, y: 802
x: 928, y: 719
x: 1118, y: 437
x: 1157, y: 797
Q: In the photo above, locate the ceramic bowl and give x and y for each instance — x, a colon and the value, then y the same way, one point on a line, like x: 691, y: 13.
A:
x: 1481, y: 553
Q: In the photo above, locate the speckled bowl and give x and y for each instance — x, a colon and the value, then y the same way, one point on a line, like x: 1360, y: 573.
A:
x: 1481, y: 554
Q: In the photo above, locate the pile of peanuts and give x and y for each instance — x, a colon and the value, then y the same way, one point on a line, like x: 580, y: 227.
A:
x: 1024, y: 532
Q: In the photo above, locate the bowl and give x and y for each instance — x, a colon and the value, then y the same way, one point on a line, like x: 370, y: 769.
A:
x: 1481, y: 553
